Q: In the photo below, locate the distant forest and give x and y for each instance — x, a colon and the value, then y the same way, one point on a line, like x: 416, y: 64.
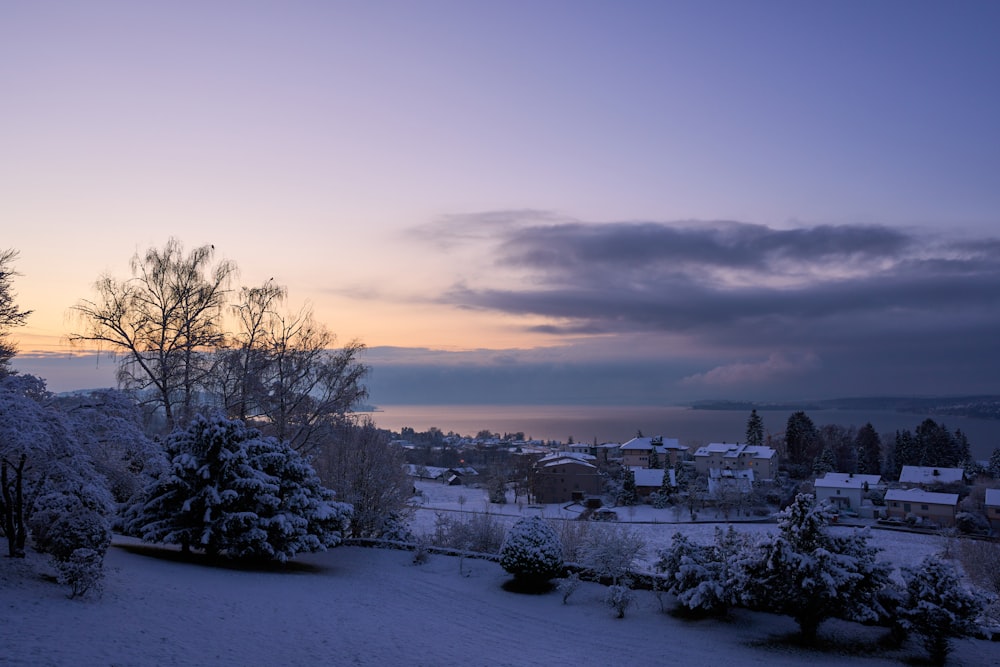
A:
x: 979, y: 407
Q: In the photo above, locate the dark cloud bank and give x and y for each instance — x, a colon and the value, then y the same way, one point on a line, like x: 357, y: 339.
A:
x: 742, y: 310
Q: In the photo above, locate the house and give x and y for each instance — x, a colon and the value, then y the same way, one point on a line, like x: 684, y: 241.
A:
x: 993, y: 508
x: 603, y: 453
x: 722, y: 482
x: 636, y: 452
x: 926, y: 476
x: 938, y: 508
x: 844, y: 490
x: 565, y: 477
x: 650, y: 480
x: 721, y: 456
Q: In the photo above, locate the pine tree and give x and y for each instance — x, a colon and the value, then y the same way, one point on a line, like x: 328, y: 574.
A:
x: 801, y: 442
x: 824, y: 463
x: 994, y: 468
x: 937, y: 606
x: 654, y: 458
x: 869, y: 450
x: 628, y: 494
x: 809, y: 574
x: 229, y: 490
x: 755, y: 429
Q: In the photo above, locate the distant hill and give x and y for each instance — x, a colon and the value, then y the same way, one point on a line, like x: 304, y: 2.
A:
x: 979, y: 407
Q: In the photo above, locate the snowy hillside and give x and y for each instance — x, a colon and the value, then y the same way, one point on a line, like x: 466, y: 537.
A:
x: 362, y: 606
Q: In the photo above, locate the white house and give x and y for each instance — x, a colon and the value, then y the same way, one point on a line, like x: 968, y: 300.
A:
x: 722, y: 456
x: 637, y: 451
x: 722, y: 481
x: 845, y: 491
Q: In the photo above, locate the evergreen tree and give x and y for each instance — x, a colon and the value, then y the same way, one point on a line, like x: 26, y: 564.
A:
x: 229, y: 490
x: 801, y: 442
x: 905, y: 452
x: 994, y: 468
x: 809, y: 574
x: 628, y: 494
x: 824, y: 463
x: 937, y: 606
x: 869, y: 450
x: 755, y: 429
x: 654, y: 458
x: 701, y: 576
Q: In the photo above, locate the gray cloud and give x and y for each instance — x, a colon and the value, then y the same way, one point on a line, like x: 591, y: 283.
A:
x: 857, y: 307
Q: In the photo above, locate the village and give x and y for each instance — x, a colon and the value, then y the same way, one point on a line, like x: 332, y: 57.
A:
x: 717, y: 481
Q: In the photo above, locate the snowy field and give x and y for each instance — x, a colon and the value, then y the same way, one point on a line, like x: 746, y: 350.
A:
x: 357, y: 606
x: 656, y: 526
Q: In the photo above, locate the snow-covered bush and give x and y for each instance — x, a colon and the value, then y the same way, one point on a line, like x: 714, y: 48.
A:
x: 620, y: 597
x: 937, y: 606
x: 610, y: 552
x: 229, y: 490
x: 700, y: 576
x: 481, y: 532
x: 568, y: 586
x: 807, y: 573
x: 72, y: 526
x: 531, y: 551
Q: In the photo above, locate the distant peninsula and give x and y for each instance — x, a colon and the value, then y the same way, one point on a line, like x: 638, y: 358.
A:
x: 977, y: 407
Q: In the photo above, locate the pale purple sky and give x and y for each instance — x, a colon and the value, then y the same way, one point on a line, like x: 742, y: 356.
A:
x: 644, y: 201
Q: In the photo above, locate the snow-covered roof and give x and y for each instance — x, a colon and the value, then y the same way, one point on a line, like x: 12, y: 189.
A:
x: 845, y: 480
x: 549, y: 461
x: 735, y: 450
x: 921, y: 496
x: 930, y: 475
x: 579, y: 456
x: 662, y: 444
x: 993, y: 497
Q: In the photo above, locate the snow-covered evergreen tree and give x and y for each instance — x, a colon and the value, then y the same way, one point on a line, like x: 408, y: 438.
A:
x: 627, y: 495
x: 229, y: 490
x: 807, y: 573
x: 700, y: 576
x: 937, y: 606
x: 532, y: 552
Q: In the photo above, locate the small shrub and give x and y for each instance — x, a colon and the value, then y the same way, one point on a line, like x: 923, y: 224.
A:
x: 568, y: 586
x: 532, y: 552
x: 620, y: 597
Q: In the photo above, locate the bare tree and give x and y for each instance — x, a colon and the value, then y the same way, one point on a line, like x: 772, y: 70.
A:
x: 161, y: 322
x: 304, y: 385
x: 10, y: 315
x: 368, y: 472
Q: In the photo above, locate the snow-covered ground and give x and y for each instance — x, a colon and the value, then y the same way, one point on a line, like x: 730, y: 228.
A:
x: 656, y: 526
x: 357, y: 606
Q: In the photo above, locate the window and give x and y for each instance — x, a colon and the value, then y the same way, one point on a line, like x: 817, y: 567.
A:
x: 923, y: 507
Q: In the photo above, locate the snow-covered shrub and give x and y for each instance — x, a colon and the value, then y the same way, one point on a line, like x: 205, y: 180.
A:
x: 229, y: 490
x: 531, y: 551
x: 700, y: 576
x: 620, y: 597
x: 48, y: 486
x: 807, y: 573
x: 72, y: 526
x: 937, y: 606
x: 481, y: 532
x: 972, y: 523
x: 610, y: 552
x: 568, y: 586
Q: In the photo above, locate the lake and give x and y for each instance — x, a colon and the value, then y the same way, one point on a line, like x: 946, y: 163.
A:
x: 620, y: 423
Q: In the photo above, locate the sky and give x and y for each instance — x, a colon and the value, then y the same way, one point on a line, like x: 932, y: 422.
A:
x: 547, y: 202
